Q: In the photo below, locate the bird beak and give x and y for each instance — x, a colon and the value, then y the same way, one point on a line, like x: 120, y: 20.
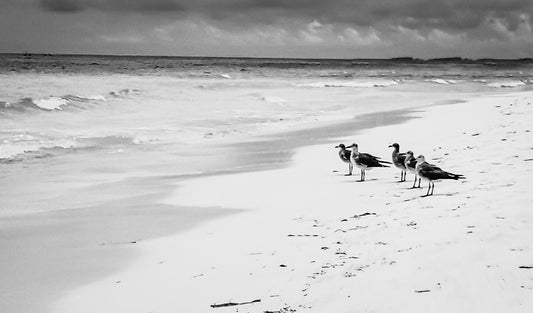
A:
x: 390, y: 146
x: 337, y: 147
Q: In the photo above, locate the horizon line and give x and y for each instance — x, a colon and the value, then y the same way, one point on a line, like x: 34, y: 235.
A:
x: 398, y: 58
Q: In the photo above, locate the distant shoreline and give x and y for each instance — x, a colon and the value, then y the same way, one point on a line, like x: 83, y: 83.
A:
x: 400, y: 59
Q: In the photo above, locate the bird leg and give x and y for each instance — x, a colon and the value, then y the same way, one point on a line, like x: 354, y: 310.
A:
x: 414, y: 183
x: 350, y: 169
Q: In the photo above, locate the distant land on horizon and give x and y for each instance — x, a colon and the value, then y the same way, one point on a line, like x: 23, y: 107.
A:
x: 455, y: 59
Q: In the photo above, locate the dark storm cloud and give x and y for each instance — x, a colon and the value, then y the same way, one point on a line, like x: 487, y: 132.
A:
x: 446, y: 14
x: 65, y: 6
x: 332, y: 28
x: 72, y: 6
x: 454, y: 15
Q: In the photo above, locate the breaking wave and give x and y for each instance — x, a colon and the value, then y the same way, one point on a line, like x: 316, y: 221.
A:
x: 19, y: 147
x: 351, y: 83
x: 60, y: 103
x: 442, y: 81
x: 506, y: 84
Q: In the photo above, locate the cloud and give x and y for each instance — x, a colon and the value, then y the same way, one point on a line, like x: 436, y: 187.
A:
x: 423, y: 15
x: 146, y: 6
x: 333, y: 28
x: 63, y: 6
x: 455, y: 15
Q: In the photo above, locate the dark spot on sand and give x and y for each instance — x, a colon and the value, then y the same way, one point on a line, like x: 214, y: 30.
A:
x: 364, y: 214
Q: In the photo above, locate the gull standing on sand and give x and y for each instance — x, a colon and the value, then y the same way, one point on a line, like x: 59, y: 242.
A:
x: 398, y: 159
x: 410, y: 165
x: 365, y: 161
x: 344, y: 154
x: 431, y: 173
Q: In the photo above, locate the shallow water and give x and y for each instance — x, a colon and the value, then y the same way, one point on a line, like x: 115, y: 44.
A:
x: 49, y: 104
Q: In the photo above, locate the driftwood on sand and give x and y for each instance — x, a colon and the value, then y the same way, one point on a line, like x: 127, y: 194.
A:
x: 226, y: 304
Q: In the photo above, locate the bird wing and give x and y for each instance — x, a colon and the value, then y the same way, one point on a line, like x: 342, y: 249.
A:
x: 399, y: 160
x: 345, y: 156
x: 433, y: 173
x: 402, y: 157
x: 410, y: 163
x: 370, y: 160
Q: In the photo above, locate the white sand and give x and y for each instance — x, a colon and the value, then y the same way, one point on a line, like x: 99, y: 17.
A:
x: 297, y: 246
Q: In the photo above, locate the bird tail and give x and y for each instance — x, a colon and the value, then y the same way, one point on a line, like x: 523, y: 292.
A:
x: 456, y: 176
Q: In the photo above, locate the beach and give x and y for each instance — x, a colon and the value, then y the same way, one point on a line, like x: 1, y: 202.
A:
x: 306, y: 238
x: 213, y: 185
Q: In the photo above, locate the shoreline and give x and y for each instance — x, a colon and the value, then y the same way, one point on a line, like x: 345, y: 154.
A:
x: 98, y: 240
x: 272, y: 266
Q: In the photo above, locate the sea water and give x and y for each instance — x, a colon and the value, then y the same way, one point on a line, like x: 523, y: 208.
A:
x: 112, y: 117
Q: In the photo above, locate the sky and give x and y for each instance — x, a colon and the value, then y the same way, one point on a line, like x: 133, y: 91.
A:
x: 271, y: 28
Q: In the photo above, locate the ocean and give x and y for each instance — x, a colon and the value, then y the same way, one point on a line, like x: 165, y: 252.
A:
x: 138, y: 116
x: 65, y: 102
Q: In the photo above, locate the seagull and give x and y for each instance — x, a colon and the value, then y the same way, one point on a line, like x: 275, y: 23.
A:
x: 410, y: 165
x: 398, y: 159
x: 431, y: 172
x: 365, y: 161
x: 344, y: 154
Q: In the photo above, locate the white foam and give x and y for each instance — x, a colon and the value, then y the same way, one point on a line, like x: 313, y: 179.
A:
x: 351, y: 83
x: 442, y: 81
x: 51, y: 103
x: 96, y: 97
x: 273, y: 99
x: 140, y: 139
x: 24, y: 143
x: 507, y: 83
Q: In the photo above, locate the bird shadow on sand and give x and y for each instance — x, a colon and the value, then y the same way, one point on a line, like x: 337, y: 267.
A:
x: 430, y: 196
x: 440, y: 195
x: 399, y: 181
x: 358, y: 181
x: 363, y: 181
